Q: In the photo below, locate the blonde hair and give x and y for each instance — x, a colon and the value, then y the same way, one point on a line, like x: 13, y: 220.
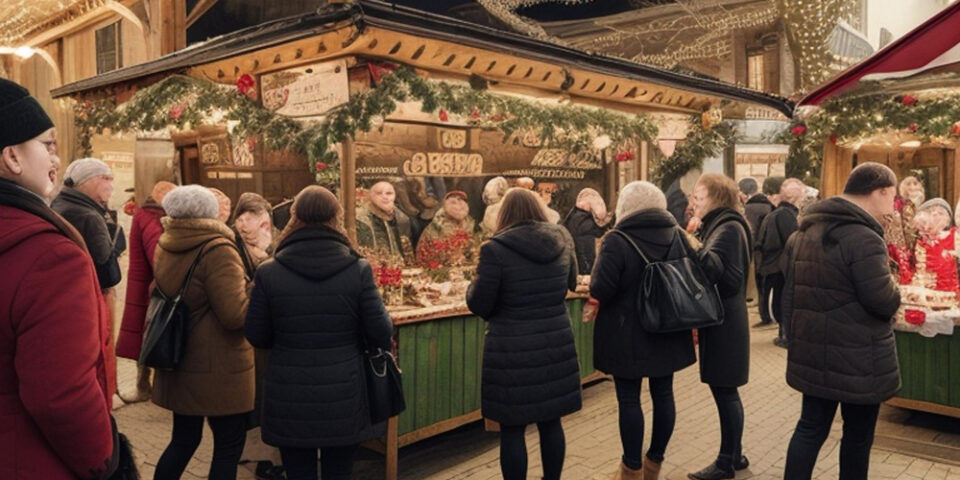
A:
x: 721, y: 190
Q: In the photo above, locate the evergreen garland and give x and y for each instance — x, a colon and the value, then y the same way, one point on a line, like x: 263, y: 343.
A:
x: 184, y: 102
x: 699, y: 144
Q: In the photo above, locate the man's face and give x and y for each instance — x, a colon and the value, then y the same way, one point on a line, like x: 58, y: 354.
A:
x: 33, y: 164
x: 383, y: 195
x: 883, y: 201
x: 250, y: 224
x: 456, y: 208
x: 98, y: 188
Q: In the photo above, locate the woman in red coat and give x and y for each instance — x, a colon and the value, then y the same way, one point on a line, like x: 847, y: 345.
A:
x: 145, y: 231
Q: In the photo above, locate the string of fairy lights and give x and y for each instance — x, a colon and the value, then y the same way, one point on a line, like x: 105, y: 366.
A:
x: 19, y: 19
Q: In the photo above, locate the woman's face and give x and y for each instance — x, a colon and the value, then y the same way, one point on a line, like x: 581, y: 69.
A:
x: 700, y: 201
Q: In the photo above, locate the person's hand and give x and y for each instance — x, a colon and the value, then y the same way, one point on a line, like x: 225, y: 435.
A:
x: 590, y: 310
x: 693, y: 224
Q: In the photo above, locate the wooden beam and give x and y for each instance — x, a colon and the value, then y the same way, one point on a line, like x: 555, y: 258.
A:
x: 348, y: 188
x: 202, y: 6
x: 96, y: 15
x: 126, y: 13
x: 173, y: 32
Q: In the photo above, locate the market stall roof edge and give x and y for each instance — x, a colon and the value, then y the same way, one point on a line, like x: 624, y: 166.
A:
x: 380, y: 15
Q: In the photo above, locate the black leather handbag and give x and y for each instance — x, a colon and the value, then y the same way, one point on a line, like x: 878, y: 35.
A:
x: 675, y: 295
x: 167, y: 320
x: 384, y: 386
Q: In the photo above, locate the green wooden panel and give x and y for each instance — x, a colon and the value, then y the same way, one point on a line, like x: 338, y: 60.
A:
x: 953, y: 369
x: 421, y: 406
x: 406, y: 349
x: 456, y: 366
x: 924, y: 367
x: 444, y: 364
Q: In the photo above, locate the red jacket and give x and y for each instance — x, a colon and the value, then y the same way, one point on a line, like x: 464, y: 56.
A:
x: 54, y: 392
x: 144, y: 233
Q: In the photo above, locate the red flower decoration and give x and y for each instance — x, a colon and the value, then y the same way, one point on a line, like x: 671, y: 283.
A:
x: 913, y: 127
x: 955, y: 129
x: 443, y: 115
x: 914, y: 317
x: 909, y: 100
x: 833, y: 139
x: 245, y: 84
x: 176, y: 111
x: 624, y: 156
x: 798, y: 130
x: 434, y: 264
x: 475, y: 114
x: 321, y: 166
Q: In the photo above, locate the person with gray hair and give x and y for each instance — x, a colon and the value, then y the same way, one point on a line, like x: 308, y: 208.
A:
x: 215, y: 379
x: 493, y: 193
x: 622, y: 348
x: 771, y: 239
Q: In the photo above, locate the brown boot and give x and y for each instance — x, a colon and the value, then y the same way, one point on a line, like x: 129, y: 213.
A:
x: 627, y: 473
x: 651, y: 469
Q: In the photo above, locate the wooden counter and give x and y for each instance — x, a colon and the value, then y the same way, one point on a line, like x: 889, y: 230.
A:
x: 930, y: 371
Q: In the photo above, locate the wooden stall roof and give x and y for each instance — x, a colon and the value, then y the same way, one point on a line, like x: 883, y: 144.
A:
x: 437, y: 43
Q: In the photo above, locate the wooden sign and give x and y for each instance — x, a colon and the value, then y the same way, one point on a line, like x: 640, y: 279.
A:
x: 306, y: 91
x: 215, y: 150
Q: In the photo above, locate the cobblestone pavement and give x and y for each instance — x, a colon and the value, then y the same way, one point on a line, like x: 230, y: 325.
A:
x: 593, y: 446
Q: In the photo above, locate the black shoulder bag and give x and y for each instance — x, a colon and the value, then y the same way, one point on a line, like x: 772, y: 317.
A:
x: 167, y: 320
x: 675, y: 295
x: 384, y: 386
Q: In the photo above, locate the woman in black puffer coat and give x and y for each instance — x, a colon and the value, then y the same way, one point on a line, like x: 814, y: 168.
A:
x: 621, y: 347
x: 587, y: 221
x: 725, y: 349
x: 530, y: 369
x: 312, y: 306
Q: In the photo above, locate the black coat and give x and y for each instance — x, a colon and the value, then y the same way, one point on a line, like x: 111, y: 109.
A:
x: 90, y: 219
x: 839, y: 302
x: 312, y: 306
x: 585, y: 232
x: 725, y: 257
x: 530, y: 369
x: 756, y: 208
x: 772, y: 237
x: 621, y: 347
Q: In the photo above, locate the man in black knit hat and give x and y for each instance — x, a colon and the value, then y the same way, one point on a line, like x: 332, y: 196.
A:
x: 54, y: 389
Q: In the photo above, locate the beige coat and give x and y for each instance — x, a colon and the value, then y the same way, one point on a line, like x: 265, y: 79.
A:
x: 216, y: 376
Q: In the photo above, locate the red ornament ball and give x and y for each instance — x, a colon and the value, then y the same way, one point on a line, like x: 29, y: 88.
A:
x: 915, y: 317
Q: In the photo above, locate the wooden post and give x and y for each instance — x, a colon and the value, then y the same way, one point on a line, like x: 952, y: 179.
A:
x: 393, y: 446
x: 348, y: 188
x: 644, y: 161
x: 173, y: 27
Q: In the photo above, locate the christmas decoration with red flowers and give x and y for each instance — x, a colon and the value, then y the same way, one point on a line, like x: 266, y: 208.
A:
x: 798, y: 130
x: 624, y: 156
x: 246, y: 85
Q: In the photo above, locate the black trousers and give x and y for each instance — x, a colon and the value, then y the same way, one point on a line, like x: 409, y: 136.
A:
x: 816, y: 416
x: 631, y: 418
x: 730, y: 410
x: 229, y: 435
x: 513, y: 450
x: 336, y: 463
x: 770, y: 294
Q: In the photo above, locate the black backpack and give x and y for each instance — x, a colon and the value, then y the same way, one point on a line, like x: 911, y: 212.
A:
x: 675, y: 295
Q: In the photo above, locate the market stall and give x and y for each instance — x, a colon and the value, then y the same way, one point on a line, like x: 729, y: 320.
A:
x: 377, y: 101
x: 901, y: 108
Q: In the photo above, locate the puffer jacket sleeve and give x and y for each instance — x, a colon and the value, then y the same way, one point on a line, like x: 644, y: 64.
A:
x: 786, y: 299
x: 607, y: 270
x: 59, y: 386
x: 375, y: 322
x: 870, y: 269
x: 258, y: 328
x: 723, y: 258
x: 574, y: 267
x: 484, y: 290
x: 225, y: 284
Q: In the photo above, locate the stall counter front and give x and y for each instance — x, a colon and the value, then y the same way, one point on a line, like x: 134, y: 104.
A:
x: 440, y: 352
x: 930, y: 372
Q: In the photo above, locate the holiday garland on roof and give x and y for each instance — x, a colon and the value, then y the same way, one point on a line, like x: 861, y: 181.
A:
x: 703, y: 141
x: 184, y: 102
x: 846, y: 120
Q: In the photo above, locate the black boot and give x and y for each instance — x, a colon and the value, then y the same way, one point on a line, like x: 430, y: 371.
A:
x: 741, y: 463
x: 721, y: 469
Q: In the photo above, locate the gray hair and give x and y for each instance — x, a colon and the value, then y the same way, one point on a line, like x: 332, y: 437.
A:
x: 191, y: 201
x: 639, y: 195
x: 494, y: 190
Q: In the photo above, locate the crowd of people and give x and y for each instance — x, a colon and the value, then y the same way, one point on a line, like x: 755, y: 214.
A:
x: 281, y: 313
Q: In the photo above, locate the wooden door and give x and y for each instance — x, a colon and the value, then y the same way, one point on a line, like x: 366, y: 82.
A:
x: 190, y: 165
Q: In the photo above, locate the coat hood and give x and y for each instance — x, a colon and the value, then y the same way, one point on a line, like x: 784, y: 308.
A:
x: 541, y: 242
x: 185, y: 234
x: 316, y: 252
x: 838, y: 211
x: 654, y: 226
x: 75, y: 197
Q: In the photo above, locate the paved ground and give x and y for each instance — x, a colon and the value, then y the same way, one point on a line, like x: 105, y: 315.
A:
x: 906, y: 443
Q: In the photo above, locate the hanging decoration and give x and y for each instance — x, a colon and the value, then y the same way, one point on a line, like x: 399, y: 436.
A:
x: 699, y: 144
x: 183, y: 102
x: 808, y: 25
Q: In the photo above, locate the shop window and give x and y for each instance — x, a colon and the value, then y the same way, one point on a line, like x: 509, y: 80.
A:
x: 755, y: 70
x: 108, y: 48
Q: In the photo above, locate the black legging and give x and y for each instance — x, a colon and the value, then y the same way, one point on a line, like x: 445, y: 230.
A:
x: 816, y: 417
x: 229, y: 435
x: 513, y: 450
x: 336, y: 463
x: 730, y: 409
x: 631, y: 418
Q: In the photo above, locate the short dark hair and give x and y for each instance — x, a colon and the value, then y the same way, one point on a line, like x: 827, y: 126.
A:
x: 771, y: 185
x: 868, y: 177
x: 748, y: 186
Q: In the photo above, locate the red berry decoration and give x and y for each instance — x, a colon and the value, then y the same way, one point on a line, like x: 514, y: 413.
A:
x: 955, y: 129
x: 443, y: 115
x: 833, y: 139
x: 176, y: 111
x: 322, y: 166
x: 624, y: 156
x: 913, y: 127
x: 798, y: 130
x: 245, y: 84
x: 909, y: 100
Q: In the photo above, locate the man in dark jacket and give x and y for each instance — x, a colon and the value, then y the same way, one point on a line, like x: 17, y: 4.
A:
x: 839, y: 302
x: 771, y: 237
x: 87, y: 189
x: 756, y: 206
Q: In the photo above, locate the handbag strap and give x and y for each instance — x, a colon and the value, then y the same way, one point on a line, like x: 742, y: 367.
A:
x: 632, y: 244
x: 193, y: 266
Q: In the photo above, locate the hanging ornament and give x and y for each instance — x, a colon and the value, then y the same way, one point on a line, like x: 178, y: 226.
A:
x: 624, y: 156
x: 246, y: 85
x: 798, y: 130
x: 711, y: 117
x: 443, y: 115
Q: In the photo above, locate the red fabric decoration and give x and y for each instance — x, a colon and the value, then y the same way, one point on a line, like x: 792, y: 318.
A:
x: 799, y: 130
x: 624, y: 156
x: 914, y: 317
x: 908, y: 100
x: 942, y: 263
